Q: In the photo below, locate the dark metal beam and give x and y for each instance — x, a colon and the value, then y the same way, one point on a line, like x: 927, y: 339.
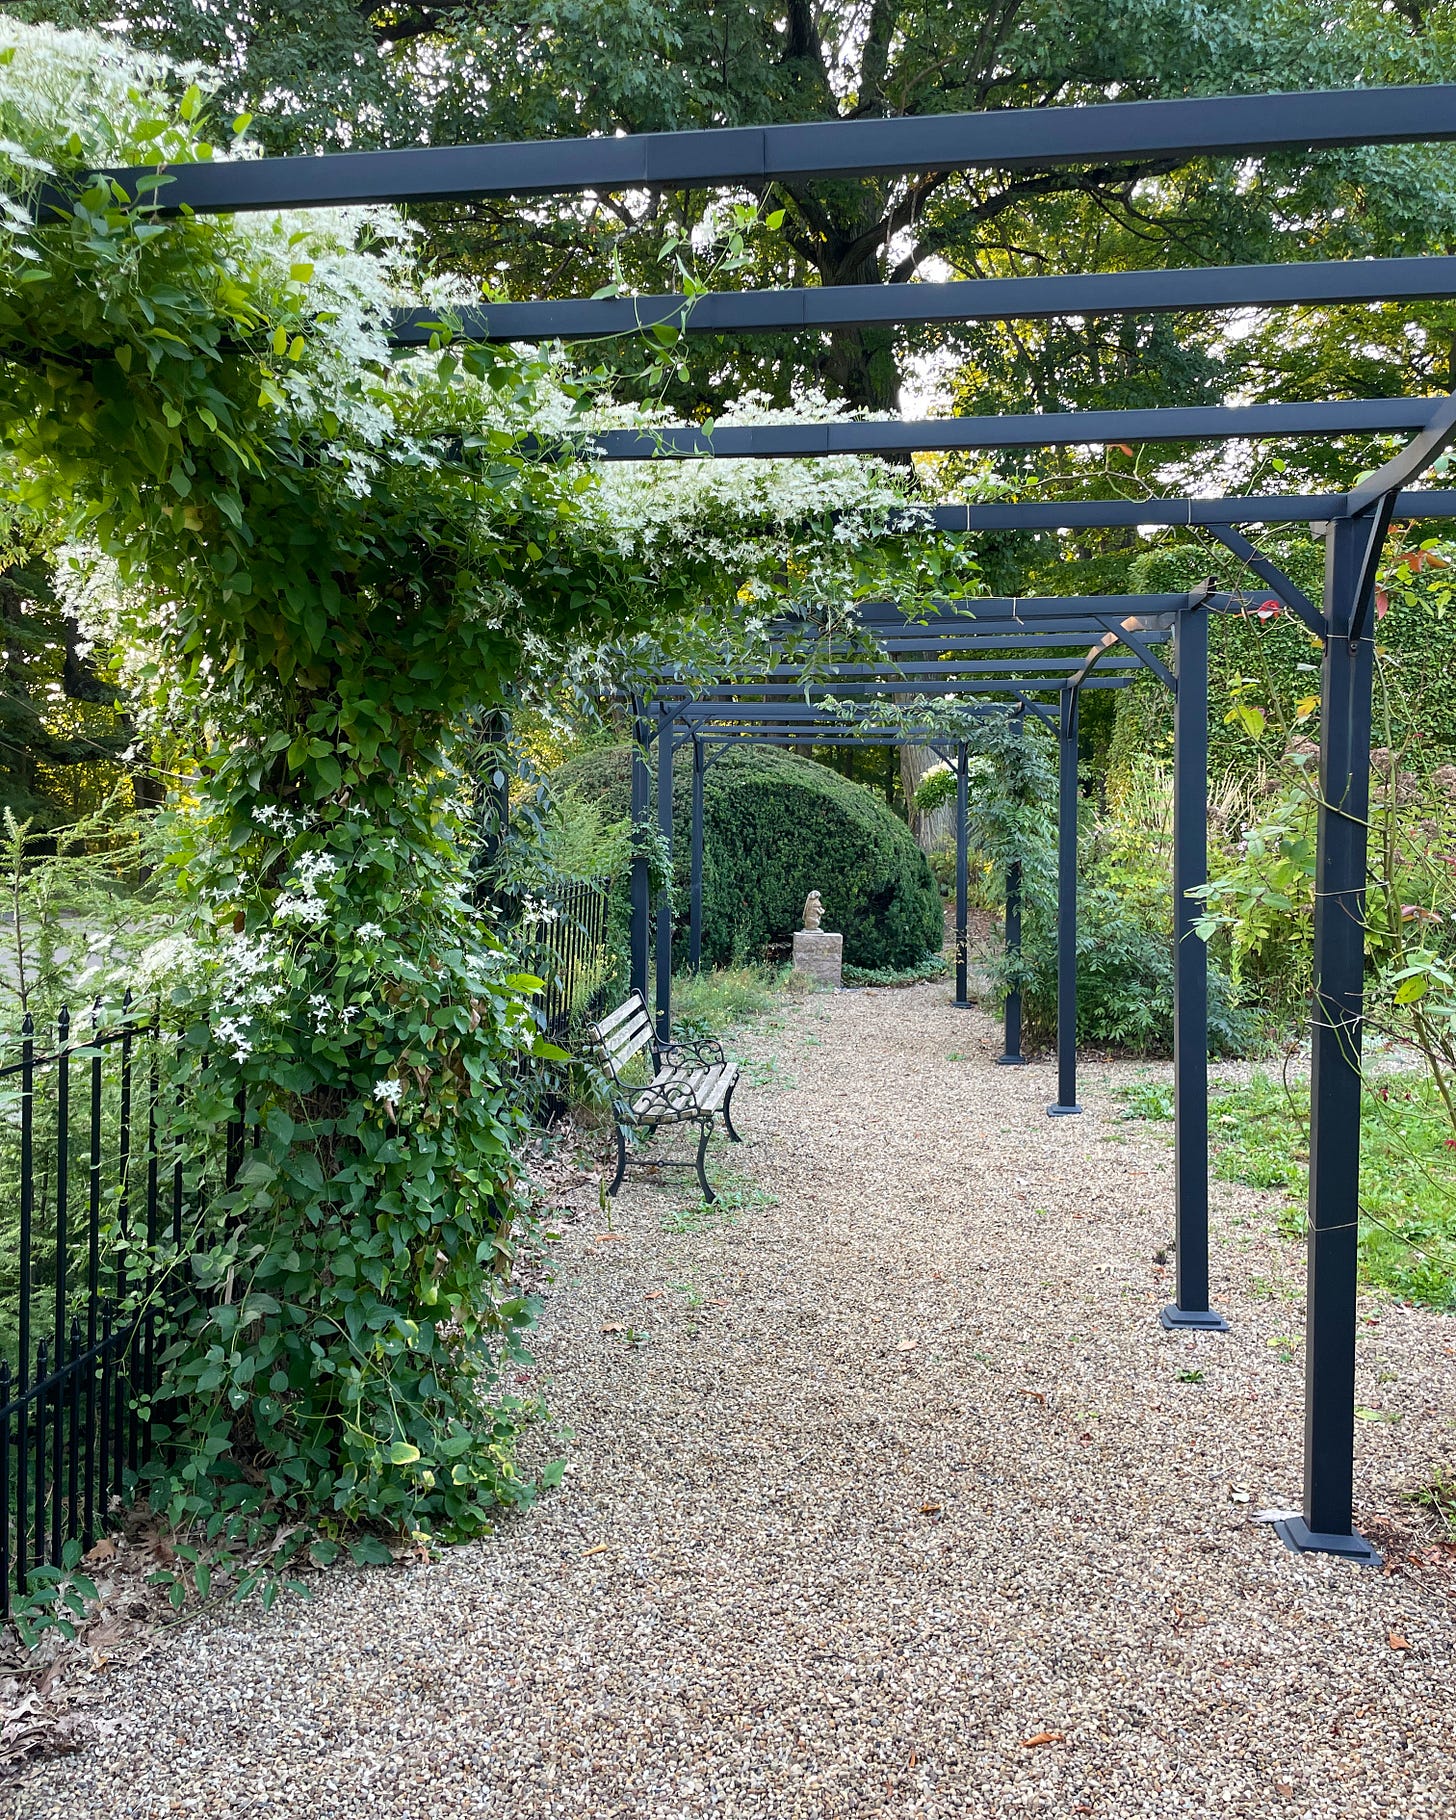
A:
x: 1410, y: 463
x: 639, y: 882
x: 1327, y: 1523
x: 1291, y: 596
x: 1027, y: 609
x: 662, y: 934
x: 962, y: 872
x: 1066, y: 1101
x: 1115, y: 514
x: 695, y: 864
x: 1002, y: 139
x: 844, y: 306
x: 1035, y: 429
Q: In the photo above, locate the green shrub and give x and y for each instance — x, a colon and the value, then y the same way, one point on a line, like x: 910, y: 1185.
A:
x: 1124, y: 977
x: 775, y: 828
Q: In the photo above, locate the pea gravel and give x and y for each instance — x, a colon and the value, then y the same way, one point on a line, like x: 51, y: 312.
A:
x: 886, y: 1498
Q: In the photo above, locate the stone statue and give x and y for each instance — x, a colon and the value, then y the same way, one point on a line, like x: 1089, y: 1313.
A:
x: 818, y: 952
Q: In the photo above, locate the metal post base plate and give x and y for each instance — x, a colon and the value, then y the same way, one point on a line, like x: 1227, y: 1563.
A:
x: 1206, y: 1320
x: 1300, y: 1539
x: 1010, y: 1061
x: 1062, y: 1112
x: 962, y: 1004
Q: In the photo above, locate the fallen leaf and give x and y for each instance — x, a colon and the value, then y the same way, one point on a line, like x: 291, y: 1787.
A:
x: 653, y: 1295
x: 600, y: 1549
x: 1043, y: 1738
x: 614, y: 1327
x: 1283, y: 1788
x: 1396, y: 1641
x: 717, y: 1302
x: 605, y: 1238
x: 928, y: 1510
x: 1038, y: 1396
x: 104, y: 1550
x: 907, y: 1346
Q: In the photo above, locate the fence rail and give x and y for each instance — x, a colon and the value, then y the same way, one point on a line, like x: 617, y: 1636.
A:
x: 90, y: 1169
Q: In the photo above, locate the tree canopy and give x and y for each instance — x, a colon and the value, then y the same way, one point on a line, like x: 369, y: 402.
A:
x: 344, y: 74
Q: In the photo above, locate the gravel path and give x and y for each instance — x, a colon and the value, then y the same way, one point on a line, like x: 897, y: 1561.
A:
x: 889, y: 1497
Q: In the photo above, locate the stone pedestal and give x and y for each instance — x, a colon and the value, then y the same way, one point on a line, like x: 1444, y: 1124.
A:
x: 820, y: 954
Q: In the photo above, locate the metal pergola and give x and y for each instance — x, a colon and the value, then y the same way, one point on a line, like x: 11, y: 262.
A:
x: 1354, y: 524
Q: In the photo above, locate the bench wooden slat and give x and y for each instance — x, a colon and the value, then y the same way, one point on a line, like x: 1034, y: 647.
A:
x: 709, y: 1088
x: 633, y: 1003
x: 623, y: 1044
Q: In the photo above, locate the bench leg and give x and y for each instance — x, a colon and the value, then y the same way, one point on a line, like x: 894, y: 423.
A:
x: 707, y: 1132
x: 728, y: 1115
x: 616, y: 1181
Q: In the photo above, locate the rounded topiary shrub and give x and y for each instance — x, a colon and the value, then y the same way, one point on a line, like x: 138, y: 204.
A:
x: 776, y: 827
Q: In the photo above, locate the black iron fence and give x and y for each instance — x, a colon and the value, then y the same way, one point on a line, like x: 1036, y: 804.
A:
x: 94, y: 1182
x: 570, y: 950
x: 96, y: 1189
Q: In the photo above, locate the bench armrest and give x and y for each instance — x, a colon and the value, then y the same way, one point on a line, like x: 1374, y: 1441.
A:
x: 704, y: 1051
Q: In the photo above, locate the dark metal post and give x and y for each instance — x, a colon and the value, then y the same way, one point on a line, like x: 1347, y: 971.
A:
x: 1012, y: 1056
x: 1067, y: 909
x: 664, y: 896
x: 963, y: 878
x: 695, y: 885
x: 640, y: 883
x: 1327, y: 1525
x: 1190, y: 976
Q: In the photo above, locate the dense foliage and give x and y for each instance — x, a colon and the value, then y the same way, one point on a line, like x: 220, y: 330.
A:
x: 775, y: 828
x: 312, y: 603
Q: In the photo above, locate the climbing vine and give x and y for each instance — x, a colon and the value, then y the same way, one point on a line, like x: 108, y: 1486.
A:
x: 317, y: 562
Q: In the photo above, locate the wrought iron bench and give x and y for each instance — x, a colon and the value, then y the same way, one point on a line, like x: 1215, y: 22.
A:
x: 692, y: 1084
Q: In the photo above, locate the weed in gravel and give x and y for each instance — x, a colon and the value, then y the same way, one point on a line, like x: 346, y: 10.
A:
x: 1190, y: 1377
x: 1438, y: 1496
x: 764, y: 1071
x: 1146, y: 1099
x: 734, y: 1197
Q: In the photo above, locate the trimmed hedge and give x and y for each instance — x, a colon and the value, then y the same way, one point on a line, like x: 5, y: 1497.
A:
x: 775, y: 827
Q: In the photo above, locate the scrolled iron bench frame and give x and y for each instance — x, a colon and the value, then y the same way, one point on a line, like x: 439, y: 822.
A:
x: 692, y: 1084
